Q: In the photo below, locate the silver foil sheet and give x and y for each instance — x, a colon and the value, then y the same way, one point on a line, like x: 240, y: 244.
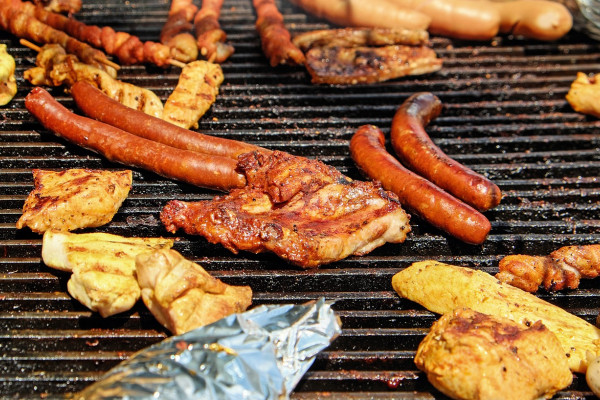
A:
x: 259, y: 354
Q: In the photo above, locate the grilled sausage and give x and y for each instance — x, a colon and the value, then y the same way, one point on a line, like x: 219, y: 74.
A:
x: 97, y: 105
x: 417, y: 151
x: 431, y: 203
x: 117, y: 145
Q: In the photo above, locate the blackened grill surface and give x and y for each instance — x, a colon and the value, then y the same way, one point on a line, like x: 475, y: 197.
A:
x: 504, y: 115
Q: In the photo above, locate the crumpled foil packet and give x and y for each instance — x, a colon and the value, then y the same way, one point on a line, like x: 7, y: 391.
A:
x: 260, y: 354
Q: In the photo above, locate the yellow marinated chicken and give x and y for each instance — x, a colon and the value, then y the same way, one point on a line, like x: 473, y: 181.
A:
x: 8, y: 82
x: 74, y: 198
x: 470, y: 356
x: 103, y: 267
x: 196, y: 91
x: 182, y: 295
x: 55, y: 67
x: 441, y: 288
x: 584, y: 95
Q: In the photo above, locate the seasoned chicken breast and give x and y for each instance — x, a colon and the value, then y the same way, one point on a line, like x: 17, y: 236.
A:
x: 470, y: 355
x: 302, y: 210
x: 182, y: 295
x: 74, y: 199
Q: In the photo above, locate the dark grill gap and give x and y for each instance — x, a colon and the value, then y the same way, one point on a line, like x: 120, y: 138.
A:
x: 505, y: 116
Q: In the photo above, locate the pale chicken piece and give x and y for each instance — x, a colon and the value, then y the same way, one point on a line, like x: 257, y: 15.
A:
x: 304, y: 211
x: 74, y: 199
x: 182, y: 296
x: 8, y: 82
x: 470, y: 355
x: 584, y: 95
x: 55, y: 68
x: 196, y: 91
x: 103, y: 266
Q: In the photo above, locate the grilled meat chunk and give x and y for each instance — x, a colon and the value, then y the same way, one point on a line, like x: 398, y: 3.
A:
x: 345, y: 65
x: 196, y: 91
x: 470, y: 355
x: 562, y: 269
x: 59, y: 6
x: 355, y: 37
x: 8, y: 82
x: 74, y: 199
x: 103, y: 267
x: 302, y: 210
x: 182, y: 295
x: 583, y: 94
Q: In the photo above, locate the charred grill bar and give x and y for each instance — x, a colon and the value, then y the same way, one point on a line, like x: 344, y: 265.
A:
x: 504, y: 116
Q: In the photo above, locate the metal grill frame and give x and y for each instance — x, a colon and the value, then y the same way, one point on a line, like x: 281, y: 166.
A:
x: 504, y: 116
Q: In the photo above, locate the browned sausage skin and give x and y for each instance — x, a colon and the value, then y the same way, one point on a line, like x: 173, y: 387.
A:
x: 97, y: 105
x: 417, y: 151
x: 436, y: 206
x: 117, y: 145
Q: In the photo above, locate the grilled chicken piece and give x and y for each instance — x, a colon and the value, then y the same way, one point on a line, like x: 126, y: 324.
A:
x: 302, y: 210
x: 176, y: 31
x: 355, y: 37
x: 196, y: 91
x: 563, y: 268
x: 584, y: 93
x: 8, y: 82
x: 103, y: 267
x: 55, y: 67
x: 59, y: 6
x: 74, y: 199
x: 182, y: 295
x: 470, y: 355
x: 211, y: 38
x: 342, y: 65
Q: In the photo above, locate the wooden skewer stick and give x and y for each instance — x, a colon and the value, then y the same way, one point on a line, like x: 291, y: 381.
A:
x: 37, y: 48
x: 177, y: 63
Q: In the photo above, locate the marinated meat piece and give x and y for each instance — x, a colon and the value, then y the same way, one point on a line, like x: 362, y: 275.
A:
x: 562, y: 269
x: 196, y: 91
x: 355, y: 37
x: 59, y: 6
x: 8, y: 82
x: 302, y: 210
x: 341, y: 65
x: 182, y: 295
x: 74, y: 198
x: 210, y: 37
x: 103, y: 267
x: 176, y: 31
x: 584, y: 93
x: 470, y: 355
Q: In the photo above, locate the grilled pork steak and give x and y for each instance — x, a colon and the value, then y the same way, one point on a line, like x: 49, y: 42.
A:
x: 302, y: 210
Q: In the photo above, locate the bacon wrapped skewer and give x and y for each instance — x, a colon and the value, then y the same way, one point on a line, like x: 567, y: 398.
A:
x: 176, y: 32
x: 211, y: 38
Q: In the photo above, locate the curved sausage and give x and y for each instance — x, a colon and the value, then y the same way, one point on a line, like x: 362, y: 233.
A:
x: 97, y: 105
x: 436, y: 206
x: 120, y: 146
x: 417, y: 151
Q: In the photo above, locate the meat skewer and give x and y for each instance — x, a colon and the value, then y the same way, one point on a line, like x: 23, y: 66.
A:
x: 13, y: 19
x: 68, y: 6
x: 128, y: 48
x: 211, y: 38
x: 275, y: 38
x: 176, y: 32
x: 563, y: 268
x: 119, y: 146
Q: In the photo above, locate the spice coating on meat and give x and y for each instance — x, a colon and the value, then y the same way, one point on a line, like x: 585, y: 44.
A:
x: 302, y: 210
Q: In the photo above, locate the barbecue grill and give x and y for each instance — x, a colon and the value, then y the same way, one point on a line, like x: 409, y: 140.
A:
x: 504, y: 115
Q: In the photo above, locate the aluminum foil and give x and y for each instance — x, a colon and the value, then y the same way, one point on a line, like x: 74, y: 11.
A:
x: 259, y: 354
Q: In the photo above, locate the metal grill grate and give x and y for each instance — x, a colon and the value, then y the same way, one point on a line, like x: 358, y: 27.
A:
x: 505, y: 116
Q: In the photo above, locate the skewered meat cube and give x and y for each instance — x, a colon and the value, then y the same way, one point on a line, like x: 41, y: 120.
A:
x: 210, y: 37
x: 302, y: 210
x: 102, y: 265
x: 74, y: 198
x: 562, y: 269
x: 176, y: 31
x: 196, y: 91
x: 182, y: 295
x: 68, y: 6
x: 584, y: 93
x: 8, y: 82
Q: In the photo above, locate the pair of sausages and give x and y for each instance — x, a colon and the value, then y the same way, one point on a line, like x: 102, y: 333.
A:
x: 131, y: 137
x: 444, y: 187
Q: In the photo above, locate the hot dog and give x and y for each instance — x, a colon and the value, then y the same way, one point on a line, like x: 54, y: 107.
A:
x: 436, y: 206
x: 416, y: 150
x: 97, y: 105
x: 117, y: 145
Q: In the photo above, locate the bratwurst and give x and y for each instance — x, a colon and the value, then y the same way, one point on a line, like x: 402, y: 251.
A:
x: 199, y: 169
